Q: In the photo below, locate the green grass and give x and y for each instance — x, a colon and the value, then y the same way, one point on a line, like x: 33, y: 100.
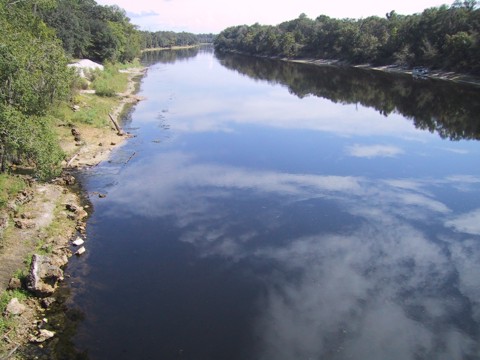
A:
x: 6, y: 323
x: 110, y: 81
x: 9, y: 187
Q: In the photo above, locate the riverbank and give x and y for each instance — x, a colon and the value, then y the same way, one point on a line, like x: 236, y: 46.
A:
x: 171, y: 48
x: 43, y: 219
x: 434, y: 74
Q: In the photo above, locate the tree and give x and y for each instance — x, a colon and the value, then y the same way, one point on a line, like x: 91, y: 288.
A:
x: 33, y: 75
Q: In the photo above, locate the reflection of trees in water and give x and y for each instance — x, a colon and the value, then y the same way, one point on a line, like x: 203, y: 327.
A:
x: 168, y: 56
x: 171, y: 56
x: 451, y: 110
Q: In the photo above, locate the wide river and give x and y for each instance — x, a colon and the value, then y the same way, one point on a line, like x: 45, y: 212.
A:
x: 277, y: 211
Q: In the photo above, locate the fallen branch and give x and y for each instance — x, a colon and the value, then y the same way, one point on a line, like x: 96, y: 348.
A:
x: 71, y: 160
x: 119, y: 129
x: 130, y: 158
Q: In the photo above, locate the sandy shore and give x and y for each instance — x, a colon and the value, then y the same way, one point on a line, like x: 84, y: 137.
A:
x: 97, y: 143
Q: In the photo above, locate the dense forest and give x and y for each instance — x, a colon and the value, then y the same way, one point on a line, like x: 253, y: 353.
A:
x: 89, y: 30
x: 446, y: 37
x: 33, y: 76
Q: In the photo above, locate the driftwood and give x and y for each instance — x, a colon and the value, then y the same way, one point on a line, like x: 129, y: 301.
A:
x: 71, y: 160
x: 130, y: 158
x: 119, y: 129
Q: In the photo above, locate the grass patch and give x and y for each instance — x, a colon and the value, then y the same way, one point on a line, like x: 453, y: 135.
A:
x: 9, y: 187
x: 6, y: 322
x: 110, y: 81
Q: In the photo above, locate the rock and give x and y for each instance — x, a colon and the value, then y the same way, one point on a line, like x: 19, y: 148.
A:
x: 69, y: 179
x: 76, y: 134
x: 102, y: 196
x: 71, y: 207
x: 43, y: 335
x: 24, y: 224
x: 14, y: 284
x: 43, y: 276
x: 81, y: 213
x: 65, y: 179
x: 78, y: 241
x: 27, y: 215
x: 24, y: 197
x: 81, y: 228
x: 80, y: 251
x: 15, y: 308
x: 47, y: 302
x: 76, y: 107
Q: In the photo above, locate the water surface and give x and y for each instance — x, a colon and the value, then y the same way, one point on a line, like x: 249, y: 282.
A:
x: 284, y: 211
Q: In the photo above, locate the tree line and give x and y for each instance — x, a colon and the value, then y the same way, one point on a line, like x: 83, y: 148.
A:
x: 445, y: 37
x: 166, y: 39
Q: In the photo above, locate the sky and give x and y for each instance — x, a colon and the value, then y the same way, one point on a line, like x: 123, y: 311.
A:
x: 212, y: 16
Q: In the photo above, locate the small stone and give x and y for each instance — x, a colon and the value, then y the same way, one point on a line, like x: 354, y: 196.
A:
x: 80, y: 213
x: 102, y: 196
x: 100, y: 144
x: 71, y: 207
x: 42, y: 336
x: 80, y: 251
x: 113, y: 144
x: 46, y: 302
x: 78, y: 241
x: 15, y: 308
x: 14, y: 284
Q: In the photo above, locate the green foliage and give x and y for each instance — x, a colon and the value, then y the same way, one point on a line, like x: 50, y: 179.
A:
x: 443, y: 37
x: 5, y: 297
x: 9, y: 187
x: 166, y: 39
x: 110, y: 81
x: 89, y: 30
x: 33, y: 76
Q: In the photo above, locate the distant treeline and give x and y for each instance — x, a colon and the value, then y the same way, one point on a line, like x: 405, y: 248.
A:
x: 443, y: 37
x: 163, y: 39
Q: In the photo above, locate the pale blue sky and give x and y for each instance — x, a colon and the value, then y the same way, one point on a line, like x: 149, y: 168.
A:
x: 215, y: 15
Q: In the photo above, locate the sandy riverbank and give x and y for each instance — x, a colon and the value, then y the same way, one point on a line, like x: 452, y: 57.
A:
x: 45, y: 218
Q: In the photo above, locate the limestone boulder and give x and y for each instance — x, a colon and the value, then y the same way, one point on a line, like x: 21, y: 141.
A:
x: 43, y: 276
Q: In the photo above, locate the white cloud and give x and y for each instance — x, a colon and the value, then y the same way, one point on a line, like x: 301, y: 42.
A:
x: 468, y: 223
x: 372, y: 151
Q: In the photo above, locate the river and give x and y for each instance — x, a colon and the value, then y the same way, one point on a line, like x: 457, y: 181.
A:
x: 277, y: 211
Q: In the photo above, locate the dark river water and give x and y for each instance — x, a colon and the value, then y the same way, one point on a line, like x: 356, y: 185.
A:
x: 277, y: 211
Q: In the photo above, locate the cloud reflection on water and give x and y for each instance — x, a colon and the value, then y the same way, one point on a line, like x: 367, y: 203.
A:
x: 397, y: 284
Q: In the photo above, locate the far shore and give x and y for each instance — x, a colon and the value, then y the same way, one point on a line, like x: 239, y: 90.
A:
x: 433, y: 74
x: 171, y: 48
